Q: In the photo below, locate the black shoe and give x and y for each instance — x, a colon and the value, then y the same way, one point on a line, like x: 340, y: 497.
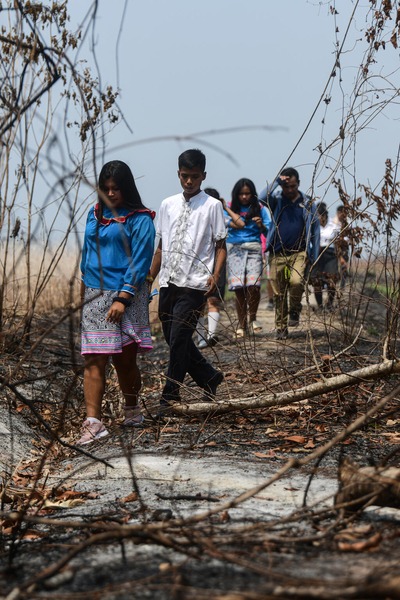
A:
x: 212, y: 340
x: 165, y: 407
x: 281, y: 334
x: 164, y: 410
x: 294, y: 319
x: 210, y: 389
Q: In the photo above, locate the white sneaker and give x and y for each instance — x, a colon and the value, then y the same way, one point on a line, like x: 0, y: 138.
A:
x: 202, y: 344
x: 255, y: 327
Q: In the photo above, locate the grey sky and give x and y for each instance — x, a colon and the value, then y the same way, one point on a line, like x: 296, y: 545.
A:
x: 187, y: 67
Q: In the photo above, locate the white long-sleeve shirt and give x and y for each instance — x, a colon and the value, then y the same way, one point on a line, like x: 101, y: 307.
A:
x: 189, y: 230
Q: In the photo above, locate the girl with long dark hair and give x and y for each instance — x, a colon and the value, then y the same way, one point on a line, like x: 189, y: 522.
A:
x: 246, y: 220
x: 117, y: 253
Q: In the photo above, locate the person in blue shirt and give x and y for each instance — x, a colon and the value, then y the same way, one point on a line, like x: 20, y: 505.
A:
x: 117, y: 252
x: 293, y: 241
x: 246, y: 221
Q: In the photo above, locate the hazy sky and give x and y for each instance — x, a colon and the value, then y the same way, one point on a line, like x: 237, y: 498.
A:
x: 185, y: 67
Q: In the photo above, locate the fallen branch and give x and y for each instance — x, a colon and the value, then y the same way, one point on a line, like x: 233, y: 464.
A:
x: 370, y: 373
x: 188, y: 497
x: 378, y: 486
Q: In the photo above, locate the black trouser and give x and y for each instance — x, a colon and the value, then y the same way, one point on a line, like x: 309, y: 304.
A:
x: 179, y: 310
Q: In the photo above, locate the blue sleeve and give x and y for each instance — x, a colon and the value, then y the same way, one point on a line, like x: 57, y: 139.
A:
x: 142, y: 235
x: 266, y: 219
x: 83, y: 259
x: 84, y: 248
x: 267, y: 191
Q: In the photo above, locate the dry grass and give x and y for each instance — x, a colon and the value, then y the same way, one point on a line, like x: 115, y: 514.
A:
x: 48, y: 286
x: 48, y: 282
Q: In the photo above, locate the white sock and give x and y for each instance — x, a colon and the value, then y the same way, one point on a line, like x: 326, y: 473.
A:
x: 213, y: 320
x: 201, y: 330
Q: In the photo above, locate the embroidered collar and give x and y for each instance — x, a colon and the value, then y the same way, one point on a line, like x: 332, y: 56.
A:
x: 122, y: 218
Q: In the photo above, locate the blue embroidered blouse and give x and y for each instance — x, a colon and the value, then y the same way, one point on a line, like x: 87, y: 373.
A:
x: 117, y: 256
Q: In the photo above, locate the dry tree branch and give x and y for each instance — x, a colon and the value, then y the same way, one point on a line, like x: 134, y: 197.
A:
x: 370, y: 373
x: 199, y: 137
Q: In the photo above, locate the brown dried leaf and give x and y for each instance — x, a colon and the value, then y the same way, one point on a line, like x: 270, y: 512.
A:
x: 33, y: 535
x: 348, y: 442
x: 225, y: 517
x: 353, y: 533
x: 172, y: 429
x: 69, y: 494
x: 361, y: 546
x: 297, y: 439
x: 63, y: 503
x: 92, y: 495
x: 132, y: 497
x: 270, y: 454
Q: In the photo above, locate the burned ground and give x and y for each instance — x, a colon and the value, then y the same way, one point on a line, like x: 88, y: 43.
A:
x: 239, y: 505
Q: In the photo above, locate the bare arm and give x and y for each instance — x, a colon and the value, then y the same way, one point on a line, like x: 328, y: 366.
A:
x: 156, y: 264
x: 220, y: 258
x: 237, y: 221
x: 82, y: 291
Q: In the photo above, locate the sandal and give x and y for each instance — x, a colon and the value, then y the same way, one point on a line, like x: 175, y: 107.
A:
x: 133, y: 417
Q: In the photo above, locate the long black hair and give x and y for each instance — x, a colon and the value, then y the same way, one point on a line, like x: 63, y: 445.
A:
x: 254, y: 207
x: 123, y: 177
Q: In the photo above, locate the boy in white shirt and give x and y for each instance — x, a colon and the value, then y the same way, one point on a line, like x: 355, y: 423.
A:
x: 189, y: 259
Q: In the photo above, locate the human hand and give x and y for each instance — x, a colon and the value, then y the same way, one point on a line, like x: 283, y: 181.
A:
x: 115, y: 313
x: 211, y: 285
x: 258, y: 221
x: 223, y: 202
x: 283, y: 179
